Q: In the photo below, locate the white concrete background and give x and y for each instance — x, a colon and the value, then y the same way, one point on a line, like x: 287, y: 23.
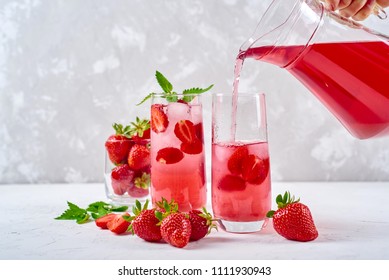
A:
x: 68, y: 69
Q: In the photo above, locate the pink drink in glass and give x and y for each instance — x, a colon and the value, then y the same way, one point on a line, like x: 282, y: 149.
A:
x: 241, y: 181
x: 177, y: 153
x: 241, y: 189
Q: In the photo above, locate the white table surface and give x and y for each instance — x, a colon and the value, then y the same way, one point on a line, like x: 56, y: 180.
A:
x: 352, y: 219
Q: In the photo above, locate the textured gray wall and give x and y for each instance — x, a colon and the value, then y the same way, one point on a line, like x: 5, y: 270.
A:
x: 68, y: 69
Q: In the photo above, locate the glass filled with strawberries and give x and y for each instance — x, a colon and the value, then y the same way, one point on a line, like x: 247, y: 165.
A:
x: 177, y: 150
x: 127, y: 163
x: 241, y: 190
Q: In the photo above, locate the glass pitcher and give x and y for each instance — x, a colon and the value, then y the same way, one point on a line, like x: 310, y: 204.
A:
x: 343, y: 63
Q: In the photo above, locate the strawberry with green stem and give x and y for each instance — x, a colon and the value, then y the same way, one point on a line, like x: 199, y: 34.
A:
x: 201, y: 222
x: 293, y: 220
x: 118, y: 145
x: 140, y: 130
x: 175, y: 226
x: 140, y: 185
x: 145, y: 224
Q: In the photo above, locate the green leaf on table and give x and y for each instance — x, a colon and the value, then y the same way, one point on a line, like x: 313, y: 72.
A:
x: 74, y: 213
x: 101, y: 208
x: 95, y: 209
x: 96, y: 206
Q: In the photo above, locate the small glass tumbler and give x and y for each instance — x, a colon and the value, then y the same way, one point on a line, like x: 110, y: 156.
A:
x: 127, y: 177
x: 241, y: 190
x: 177, y: 151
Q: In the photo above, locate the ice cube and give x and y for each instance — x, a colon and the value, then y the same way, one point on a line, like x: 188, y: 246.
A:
x: 196, y: 113
x: 178, y: 111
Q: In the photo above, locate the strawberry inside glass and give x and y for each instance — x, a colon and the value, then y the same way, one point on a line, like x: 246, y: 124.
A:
x: 127, y: 166
x: 241, y: 181
x: 177, y: 152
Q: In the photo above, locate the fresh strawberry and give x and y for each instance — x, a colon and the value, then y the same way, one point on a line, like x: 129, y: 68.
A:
x: 254, y: 169
x: 201, y: 223
x: 140, y: 131
x: 176, y: 229
x: 169, y: 155
x: 117, y: 147
x: 138, y: 157
x: 118, y: 224
x: 145, y: 225
x: 121, y: 178
x: 235, y: 161
x: 293, y: 220
x: 192, y: 148
x: 231, y: 183
x: 140, y: 185
x: 185, y: 131
x: 159, y: 120
x: 103, y: 221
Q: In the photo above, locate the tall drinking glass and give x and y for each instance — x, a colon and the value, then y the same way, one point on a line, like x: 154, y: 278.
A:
x: 177, y: 151
x: 241, y: 190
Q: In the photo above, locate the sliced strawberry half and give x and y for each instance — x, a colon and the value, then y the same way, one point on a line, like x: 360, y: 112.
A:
x: 235, y: 161
x: 103, y: 221
x: 199, y: 131
x: 169, y: 155
x: 185, y: 131
x: 254, y: 169
x: 121, y: 178
x: 118, y: 225
x: 192, y: 148
x: 231, y: 183
x: 159, y: 120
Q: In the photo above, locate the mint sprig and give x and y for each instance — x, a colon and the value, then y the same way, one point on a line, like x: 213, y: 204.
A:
x: 74, y: 213
x: 95, y: 210
x: 166, y: 86
x: 169, y: 94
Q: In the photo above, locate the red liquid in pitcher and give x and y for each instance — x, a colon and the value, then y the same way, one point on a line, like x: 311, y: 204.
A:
x: 350, y: 78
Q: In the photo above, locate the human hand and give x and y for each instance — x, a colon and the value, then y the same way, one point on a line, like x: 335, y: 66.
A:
x: 356, y: 9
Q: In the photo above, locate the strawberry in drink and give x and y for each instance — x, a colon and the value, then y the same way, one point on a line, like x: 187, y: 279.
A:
x: 241, y: 181
x: 177, y: 152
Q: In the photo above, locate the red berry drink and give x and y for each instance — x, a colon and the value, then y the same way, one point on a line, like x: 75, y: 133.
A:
x: 241, y: 181
x: 177, y: 152
x: 241, y: 191
x: 351, y: 80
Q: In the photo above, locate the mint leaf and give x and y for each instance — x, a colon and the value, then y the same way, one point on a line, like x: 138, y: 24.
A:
x: 171, y: 97
x: 145, y: 99
x: 196, y: 90
x: 169, y: 94
x: 74, y: 213
x: 100, y: 208
x: 163, y: 82
x: 95, y: 207
x: 188, y: 93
